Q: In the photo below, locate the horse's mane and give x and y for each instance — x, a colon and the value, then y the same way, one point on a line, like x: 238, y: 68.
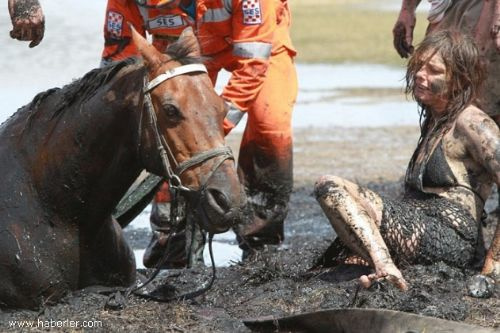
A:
x: 82, y: 89
x: 79, y: 90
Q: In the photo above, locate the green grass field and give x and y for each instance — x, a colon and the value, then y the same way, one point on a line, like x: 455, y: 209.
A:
x: 336, y: 31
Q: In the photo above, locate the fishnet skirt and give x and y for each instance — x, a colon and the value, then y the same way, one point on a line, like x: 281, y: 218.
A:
x: 424, y: 228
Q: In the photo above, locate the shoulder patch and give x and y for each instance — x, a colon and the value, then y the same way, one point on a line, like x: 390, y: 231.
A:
x: 251, y: 12
x: 114, y: 24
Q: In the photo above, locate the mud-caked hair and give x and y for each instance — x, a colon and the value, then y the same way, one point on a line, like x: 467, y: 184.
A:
x: 465, y: 70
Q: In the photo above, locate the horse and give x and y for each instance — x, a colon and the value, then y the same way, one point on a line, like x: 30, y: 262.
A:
x: 69, y: 156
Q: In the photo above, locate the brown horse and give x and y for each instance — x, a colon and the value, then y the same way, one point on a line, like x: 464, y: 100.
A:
x: 70, y: 155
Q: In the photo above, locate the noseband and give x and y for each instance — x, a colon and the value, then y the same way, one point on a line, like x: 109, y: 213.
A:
x: 166, y: 155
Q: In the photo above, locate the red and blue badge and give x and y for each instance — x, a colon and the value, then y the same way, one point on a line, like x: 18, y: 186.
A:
x: 251, y: 12
x: 115, y: 23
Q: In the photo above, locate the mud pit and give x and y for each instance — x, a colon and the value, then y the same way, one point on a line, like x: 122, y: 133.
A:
x: 277, y: 281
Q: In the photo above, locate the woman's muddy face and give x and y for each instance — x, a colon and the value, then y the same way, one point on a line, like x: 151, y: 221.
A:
x: 430, y: 88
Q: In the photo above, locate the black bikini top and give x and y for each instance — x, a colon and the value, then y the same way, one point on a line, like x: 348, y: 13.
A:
x: 437, y: 172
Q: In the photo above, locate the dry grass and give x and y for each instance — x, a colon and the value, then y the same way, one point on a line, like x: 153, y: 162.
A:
x: 339, y: 31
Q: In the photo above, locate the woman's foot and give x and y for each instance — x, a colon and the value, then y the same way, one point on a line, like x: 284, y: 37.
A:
x: 391, y: 274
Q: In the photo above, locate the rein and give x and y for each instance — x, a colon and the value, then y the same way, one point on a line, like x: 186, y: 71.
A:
x: 173, y: 177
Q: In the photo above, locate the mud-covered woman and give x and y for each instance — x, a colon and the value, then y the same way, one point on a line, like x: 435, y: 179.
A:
x: 449, y: 176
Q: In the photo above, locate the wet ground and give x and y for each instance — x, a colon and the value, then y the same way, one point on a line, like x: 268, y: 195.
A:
x: 278, y: 281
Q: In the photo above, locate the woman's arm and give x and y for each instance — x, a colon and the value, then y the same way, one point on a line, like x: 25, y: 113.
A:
x: 481, y: 137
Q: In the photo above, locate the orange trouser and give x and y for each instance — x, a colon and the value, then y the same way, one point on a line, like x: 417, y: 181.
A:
x: 265, y: 163
x: 265, y: 159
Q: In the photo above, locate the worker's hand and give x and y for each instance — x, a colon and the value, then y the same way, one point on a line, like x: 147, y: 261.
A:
x: 28, y: 21
x: 403, y: 33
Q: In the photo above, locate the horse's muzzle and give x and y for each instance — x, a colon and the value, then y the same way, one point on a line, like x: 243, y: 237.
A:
x: 219, y: 211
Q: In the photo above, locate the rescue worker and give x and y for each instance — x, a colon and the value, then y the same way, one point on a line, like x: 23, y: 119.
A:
x: 28, y: 21
x: 251, y: 40
x: 477, y: 18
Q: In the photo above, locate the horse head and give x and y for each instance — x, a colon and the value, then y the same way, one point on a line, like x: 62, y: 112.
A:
x: 182, y: 130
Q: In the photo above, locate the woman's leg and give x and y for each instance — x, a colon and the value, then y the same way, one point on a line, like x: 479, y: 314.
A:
x: 355, y: 214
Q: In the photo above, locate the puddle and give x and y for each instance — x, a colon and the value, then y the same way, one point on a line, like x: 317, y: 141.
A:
x: 224, y: 255
x: 224, y: 246
x: 349, y: 95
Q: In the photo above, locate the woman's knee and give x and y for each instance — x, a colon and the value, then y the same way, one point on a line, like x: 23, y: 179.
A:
x: 329, y: 184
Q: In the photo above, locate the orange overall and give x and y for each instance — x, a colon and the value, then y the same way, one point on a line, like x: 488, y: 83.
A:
x: 251, y: 40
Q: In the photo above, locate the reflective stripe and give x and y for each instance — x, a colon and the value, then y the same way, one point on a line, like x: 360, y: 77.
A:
x: 216, y: 15
x: 258, y: 50
x: 234, y: 115
x: 228, y: 4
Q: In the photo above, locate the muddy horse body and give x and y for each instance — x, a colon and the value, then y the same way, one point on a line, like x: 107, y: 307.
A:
x: 69, y: 156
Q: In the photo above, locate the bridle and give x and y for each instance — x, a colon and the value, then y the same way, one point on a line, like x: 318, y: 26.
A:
x: 174, y: 180
x: 166, y: 155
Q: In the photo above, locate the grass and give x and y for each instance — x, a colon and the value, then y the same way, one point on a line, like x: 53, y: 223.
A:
x: 335, y: 31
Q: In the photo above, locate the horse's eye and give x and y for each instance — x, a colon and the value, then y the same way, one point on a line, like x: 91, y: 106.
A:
x: 171, y: 111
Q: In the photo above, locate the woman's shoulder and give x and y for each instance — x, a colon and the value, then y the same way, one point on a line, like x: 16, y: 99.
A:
x: 474, y: 125
x: 473, y: 118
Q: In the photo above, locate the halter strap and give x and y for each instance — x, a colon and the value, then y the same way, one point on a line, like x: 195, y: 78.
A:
x: 202, y: 157
x: 170, y: 73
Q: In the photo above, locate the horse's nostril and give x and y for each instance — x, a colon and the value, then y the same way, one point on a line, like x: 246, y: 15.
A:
x: 219, y: 199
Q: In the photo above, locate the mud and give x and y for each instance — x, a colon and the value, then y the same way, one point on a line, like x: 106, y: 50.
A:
x: 23, y: 10
x: 278, y: 280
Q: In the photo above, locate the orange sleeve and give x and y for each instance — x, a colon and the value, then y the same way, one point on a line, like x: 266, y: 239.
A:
x: 253, y: 24
x: 117, y: 35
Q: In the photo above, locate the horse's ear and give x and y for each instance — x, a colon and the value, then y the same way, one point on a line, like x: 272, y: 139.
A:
x: 149, y: 53
x: 189, y: 39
